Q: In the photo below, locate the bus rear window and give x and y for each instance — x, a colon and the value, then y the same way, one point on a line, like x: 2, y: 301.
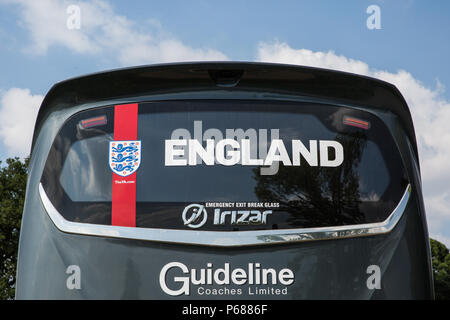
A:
x: 224, y: 166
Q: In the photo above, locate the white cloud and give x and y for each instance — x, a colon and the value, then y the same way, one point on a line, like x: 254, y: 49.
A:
x: 431, y: 117
x: 103, y: 32
x: 18, y: 112
x: 282, y: 53
x: 46, y: 22
x: 167, y: 51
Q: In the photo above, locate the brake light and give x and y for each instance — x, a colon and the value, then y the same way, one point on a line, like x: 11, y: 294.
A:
x: 354, y: 122
x: 93, y: 122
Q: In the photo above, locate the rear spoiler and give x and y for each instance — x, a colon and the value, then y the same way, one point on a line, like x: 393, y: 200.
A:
x: 340, y: 87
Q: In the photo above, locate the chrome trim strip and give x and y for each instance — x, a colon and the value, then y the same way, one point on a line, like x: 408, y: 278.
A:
x: 226, y: 238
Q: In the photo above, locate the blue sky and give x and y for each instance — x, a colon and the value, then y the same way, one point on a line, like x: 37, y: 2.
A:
x: 414, y: 35
x: 410, y: 50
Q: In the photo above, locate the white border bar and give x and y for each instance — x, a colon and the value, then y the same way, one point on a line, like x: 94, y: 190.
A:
x: 226, y: 238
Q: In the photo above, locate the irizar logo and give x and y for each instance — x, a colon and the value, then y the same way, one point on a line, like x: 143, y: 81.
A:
x: 197, y: 216
x: 240, y: 217
x: 182, y: 279
x: 194, y: 216
x: 247, y: 148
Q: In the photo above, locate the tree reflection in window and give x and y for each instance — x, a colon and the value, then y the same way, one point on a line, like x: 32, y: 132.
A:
x: 318, y: 196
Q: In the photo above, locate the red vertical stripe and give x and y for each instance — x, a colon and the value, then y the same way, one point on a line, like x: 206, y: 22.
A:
x: 125, y: 122
x: 123, y: 212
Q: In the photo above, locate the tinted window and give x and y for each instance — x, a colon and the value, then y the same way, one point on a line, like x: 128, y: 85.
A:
x: 282, y: 165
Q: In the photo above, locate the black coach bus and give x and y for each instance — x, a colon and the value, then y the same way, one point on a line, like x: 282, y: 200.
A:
x: 224, y: 181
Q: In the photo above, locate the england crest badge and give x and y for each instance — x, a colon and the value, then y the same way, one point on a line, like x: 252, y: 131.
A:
x: 124, y: 157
